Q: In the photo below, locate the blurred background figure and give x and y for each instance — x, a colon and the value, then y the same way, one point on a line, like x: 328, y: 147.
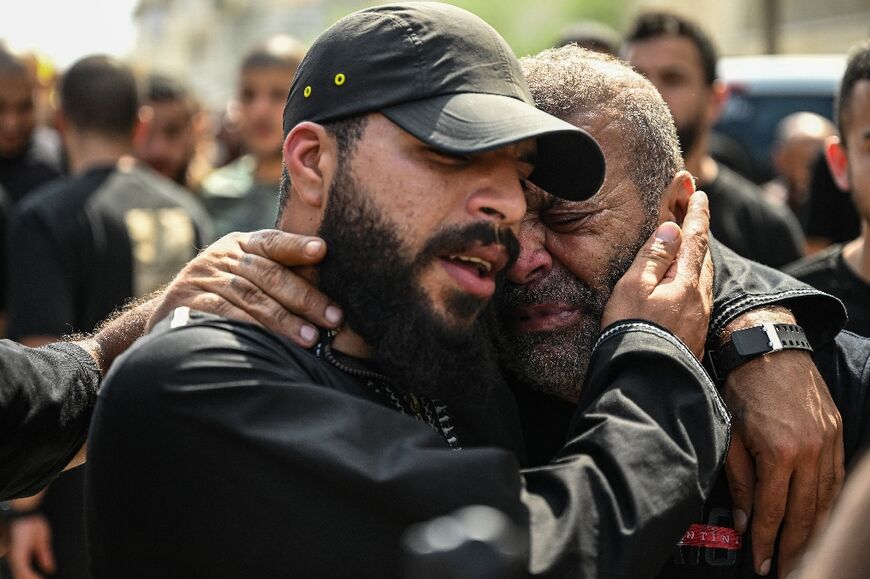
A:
x: 844, y: 270
x: 172, y: 137
x: 242, y: 196
x: 592, y: 35
x: 83, y: 246
x: 29, y: 156
x: 832, y: 217
x: 680, y: 60
x: 800, y: 138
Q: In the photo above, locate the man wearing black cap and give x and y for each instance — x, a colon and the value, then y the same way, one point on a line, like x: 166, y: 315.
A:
x: 409, y: 135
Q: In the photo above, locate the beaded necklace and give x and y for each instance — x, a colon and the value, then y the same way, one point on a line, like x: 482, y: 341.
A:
x: 426, y: 410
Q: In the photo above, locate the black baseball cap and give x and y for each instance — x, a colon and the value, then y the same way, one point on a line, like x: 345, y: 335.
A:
x: 446, y: 77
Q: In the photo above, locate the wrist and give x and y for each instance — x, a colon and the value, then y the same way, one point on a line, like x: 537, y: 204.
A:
x: 747, y: 344
x: 10, y: 513
x: 750, y: 319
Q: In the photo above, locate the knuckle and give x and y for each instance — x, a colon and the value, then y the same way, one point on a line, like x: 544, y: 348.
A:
x: 307, y: 300
x: 784, y: 452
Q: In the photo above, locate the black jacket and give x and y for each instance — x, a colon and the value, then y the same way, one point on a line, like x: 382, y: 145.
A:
x: 218, y: 449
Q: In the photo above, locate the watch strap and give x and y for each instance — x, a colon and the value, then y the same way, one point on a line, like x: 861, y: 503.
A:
x: 750, y: 343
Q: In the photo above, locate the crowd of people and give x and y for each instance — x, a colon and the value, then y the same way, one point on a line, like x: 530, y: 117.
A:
x: 463, y: 279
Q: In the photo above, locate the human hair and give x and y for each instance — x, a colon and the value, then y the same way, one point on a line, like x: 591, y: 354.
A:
x: 276, y: 52
x: 857, y: 69
x: 347, y: 133
x: 160, y: 88
x: 590, y: 34
x: 99, y: 94
x: 571, y: 80
x: 11, y: 64
x: 662, y: 23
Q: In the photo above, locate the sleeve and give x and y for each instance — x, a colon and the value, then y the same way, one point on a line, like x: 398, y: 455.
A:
x: 241, y: 467
x: 46, y: 398
x: 41, y: 292
x: 644, y: 449
x: 740, y: 285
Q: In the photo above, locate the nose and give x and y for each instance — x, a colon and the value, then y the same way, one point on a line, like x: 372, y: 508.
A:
x: 534, y: 260
x: 497, y: 194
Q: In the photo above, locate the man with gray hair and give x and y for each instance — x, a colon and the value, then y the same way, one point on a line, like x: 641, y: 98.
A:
x: 573, y: 253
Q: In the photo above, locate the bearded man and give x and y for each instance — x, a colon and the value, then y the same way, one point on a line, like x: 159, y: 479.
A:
x: 260, y: 458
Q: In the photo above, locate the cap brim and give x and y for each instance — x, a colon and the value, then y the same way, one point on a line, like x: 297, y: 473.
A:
x: 570, y: 163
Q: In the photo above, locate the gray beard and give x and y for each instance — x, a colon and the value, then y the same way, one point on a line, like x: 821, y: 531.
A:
x: 556, y: 362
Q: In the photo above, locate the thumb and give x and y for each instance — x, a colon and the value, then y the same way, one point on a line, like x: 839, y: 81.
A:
x: 658, y: 254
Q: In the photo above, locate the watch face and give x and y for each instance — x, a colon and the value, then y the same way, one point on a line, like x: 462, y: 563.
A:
x: 751, y: 341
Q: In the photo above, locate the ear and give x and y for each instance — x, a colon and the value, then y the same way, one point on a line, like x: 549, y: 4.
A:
x: 718, y: 99
x: 310, y: 156
x: 838, y: 162
x: 142, y: 124
x: 675, y: 200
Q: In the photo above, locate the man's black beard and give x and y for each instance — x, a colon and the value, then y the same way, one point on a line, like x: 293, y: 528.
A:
x: 688, y: 135
x: 367, y: 272
x: 556, y: 362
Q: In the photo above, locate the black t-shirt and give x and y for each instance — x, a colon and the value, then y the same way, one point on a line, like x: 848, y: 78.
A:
x: 711, y: 548
x: 84, y: 245
x: 828, y: 271
x: 38, y: 164
x: 742, y: 220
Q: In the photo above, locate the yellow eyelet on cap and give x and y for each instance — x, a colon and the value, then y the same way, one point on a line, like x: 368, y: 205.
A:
x: 307, y: 92
x: 339, y: 79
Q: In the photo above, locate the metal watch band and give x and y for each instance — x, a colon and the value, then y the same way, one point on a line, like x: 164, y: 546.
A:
x: 751, y: 343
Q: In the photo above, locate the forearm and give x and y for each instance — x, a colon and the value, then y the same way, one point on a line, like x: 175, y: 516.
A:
x: 741, y: 286
x: 644, y: 448
x: 119, y: 331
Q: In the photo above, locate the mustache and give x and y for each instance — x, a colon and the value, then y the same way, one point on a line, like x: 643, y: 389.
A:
x: 558, y: 286
x: 456, y: 239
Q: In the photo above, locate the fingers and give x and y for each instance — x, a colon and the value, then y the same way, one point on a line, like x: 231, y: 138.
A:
x: 769, y: 509
x: 800, y: 516
x: 740, y: 471
x: 44, y: 555
x: 657, y: 255
x: 285, y: 248
x: 696, y: 232
x: 275, y: 290
x: 31, y: 540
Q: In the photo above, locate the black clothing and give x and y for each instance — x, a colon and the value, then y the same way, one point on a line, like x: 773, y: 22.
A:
x: 250, y: 457
x: 739, y: 285
x: 831, y: 212
x: 46, y: 398
x: 827, y: 271
x: 5, y: 213
x: 742, y: 220
x: 86, y: 244
x: 843, y: 364
x: 38, y: 164
x: 727, y: 150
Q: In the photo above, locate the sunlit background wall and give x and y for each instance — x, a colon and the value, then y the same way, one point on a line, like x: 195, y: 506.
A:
x: 203, y: 40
